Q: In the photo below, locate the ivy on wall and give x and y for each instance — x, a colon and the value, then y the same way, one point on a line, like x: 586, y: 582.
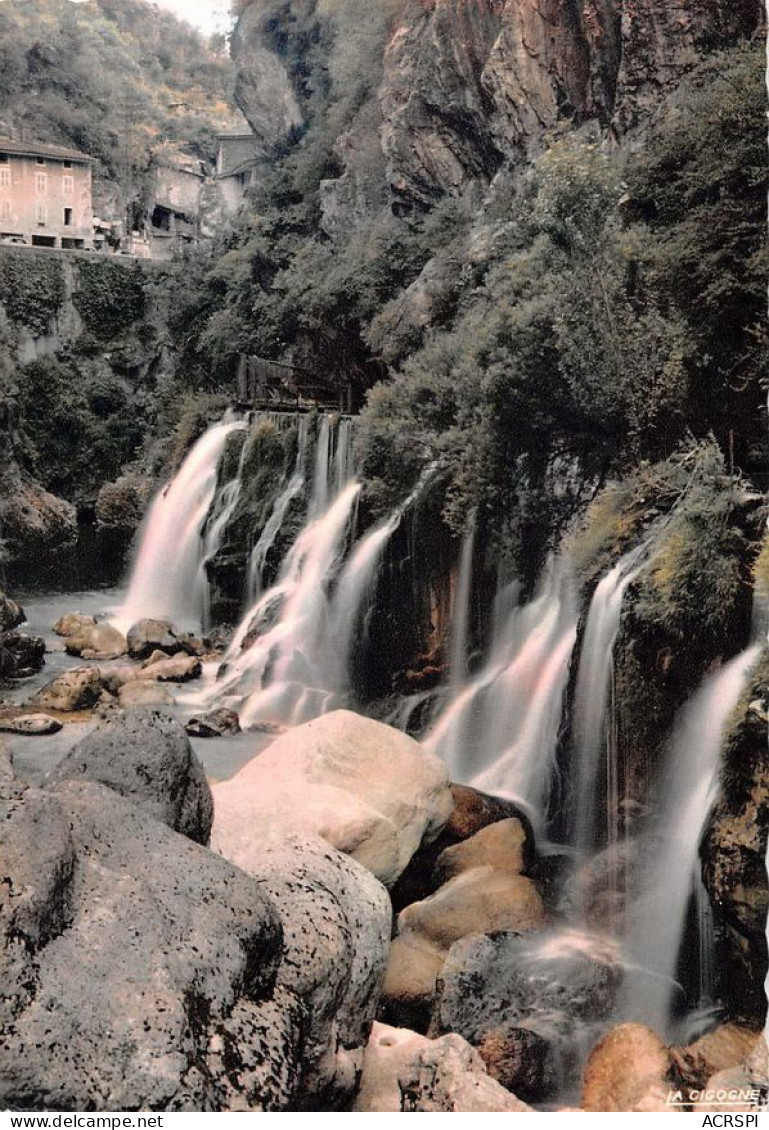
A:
x: 32, y: 289
x: 109, y: 295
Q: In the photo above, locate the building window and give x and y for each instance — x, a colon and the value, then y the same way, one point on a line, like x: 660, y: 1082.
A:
x: 5, y: 178
x: 41, y: 160
x: 42, y: 215
x: 67, y: 217
x: 41, y: 182
x: 67, y: 164
x: 3, y: 158
x: 5, y: 210
x: 68, y: 185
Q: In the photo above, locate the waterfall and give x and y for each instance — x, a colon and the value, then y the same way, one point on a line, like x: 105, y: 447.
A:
x: 168, y: 579
x: 292, y: 490
x: 591, y: 697
x: 460, y: 611
x: 499, y: 731
x: 658, y: 917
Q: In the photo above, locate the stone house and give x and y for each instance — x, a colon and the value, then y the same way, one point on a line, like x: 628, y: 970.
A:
x: 45, y: 195
x: 236, y: 161
x: 173, y: 205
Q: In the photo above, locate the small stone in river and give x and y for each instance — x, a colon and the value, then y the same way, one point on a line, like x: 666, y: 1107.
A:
x: 214, y: 725
x: 31, y: 725
x: 143, y: 693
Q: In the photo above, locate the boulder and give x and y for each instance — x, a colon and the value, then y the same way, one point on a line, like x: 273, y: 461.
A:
x: 726, y: 1047
x: 214, y: 725
x: 11, y: 613
x: 177, y: 669
x: 503, y: 846
x: 409, y: 986
x: 528, y: 1003
x: 472, y: 813
x: 148, y: 636
x: 341, y: 777
x: 20, y: 655
x: 33, y: 725
x: 178, y: 1010
x: 629, y: 1071
x: 74, y: 624
x: 147, y: 758
x: 100, y: 641
x: 478, y: 901
x: 143, y: 692
x: 403, y: 1071
x: 78, y: 689
x: 336, y: 922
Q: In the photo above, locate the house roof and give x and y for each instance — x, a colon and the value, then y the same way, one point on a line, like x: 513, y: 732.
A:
x: 41, y: 149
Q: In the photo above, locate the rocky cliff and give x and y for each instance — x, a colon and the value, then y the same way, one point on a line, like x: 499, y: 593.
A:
x: 469, y: 85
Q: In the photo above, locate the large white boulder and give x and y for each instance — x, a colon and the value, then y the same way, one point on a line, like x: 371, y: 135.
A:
x: 367, y: 789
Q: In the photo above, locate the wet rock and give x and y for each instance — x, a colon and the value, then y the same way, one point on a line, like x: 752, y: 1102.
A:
x: 20, y: 655
x: 78, y: 689
x: 336, y: 926
x: 341, y: 776
x: 148, y: 636
x: 725, y: 1048
x: 147, y: 758
x: 182, y: 951
x: 120, y: 505
x: 35, y: 522
x: 34, y: 725
x: 527, y: 1002
x: 97, y: 641
x: 11, y: 613
x: 143, y: 692
x: 405, y: 1071
x: 214, y: 725
x: 219, y: 639
x: 178, y: 669
x: 628, y: 1070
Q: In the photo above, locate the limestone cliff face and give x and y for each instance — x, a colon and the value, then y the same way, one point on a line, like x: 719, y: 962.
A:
x: 469, y: 84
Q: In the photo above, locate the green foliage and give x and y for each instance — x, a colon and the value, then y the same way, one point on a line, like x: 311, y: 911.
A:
x: 76, y: 73
x: 32, y: 289
x: 78, y: 427
x: 109, y: 296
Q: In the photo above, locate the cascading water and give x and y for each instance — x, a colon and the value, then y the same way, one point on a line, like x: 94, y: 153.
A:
x: 291, y: 491
x: 499, y: 731
x: 297, y: 665
x: 460, y: 612
x: 168, y: 579
x: 591, y: 698
x: 687, y: 793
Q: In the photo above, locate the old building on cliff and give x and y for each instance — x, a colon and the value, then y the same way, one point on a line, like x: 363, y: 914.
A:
x: 45, y: 195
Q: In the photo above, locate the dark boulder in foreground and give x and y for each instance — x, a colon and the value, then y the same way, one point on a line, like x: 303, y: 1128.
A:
x: 146, y: 757
x: 138, y: 967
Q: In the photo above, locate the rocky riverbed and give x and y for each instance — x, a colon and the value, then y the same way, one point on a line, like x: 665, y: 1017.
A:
x: 303, y: 934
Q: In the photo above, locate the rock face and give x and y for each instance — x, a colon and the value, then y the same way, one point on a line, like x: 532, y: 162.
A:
x: 734, y: 856
x: 341, y: 777
x: 146, y: 757
x: 34, y: 521
x: 468, y: 84
x: 178, y: 1010
x: 403, y: 1071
